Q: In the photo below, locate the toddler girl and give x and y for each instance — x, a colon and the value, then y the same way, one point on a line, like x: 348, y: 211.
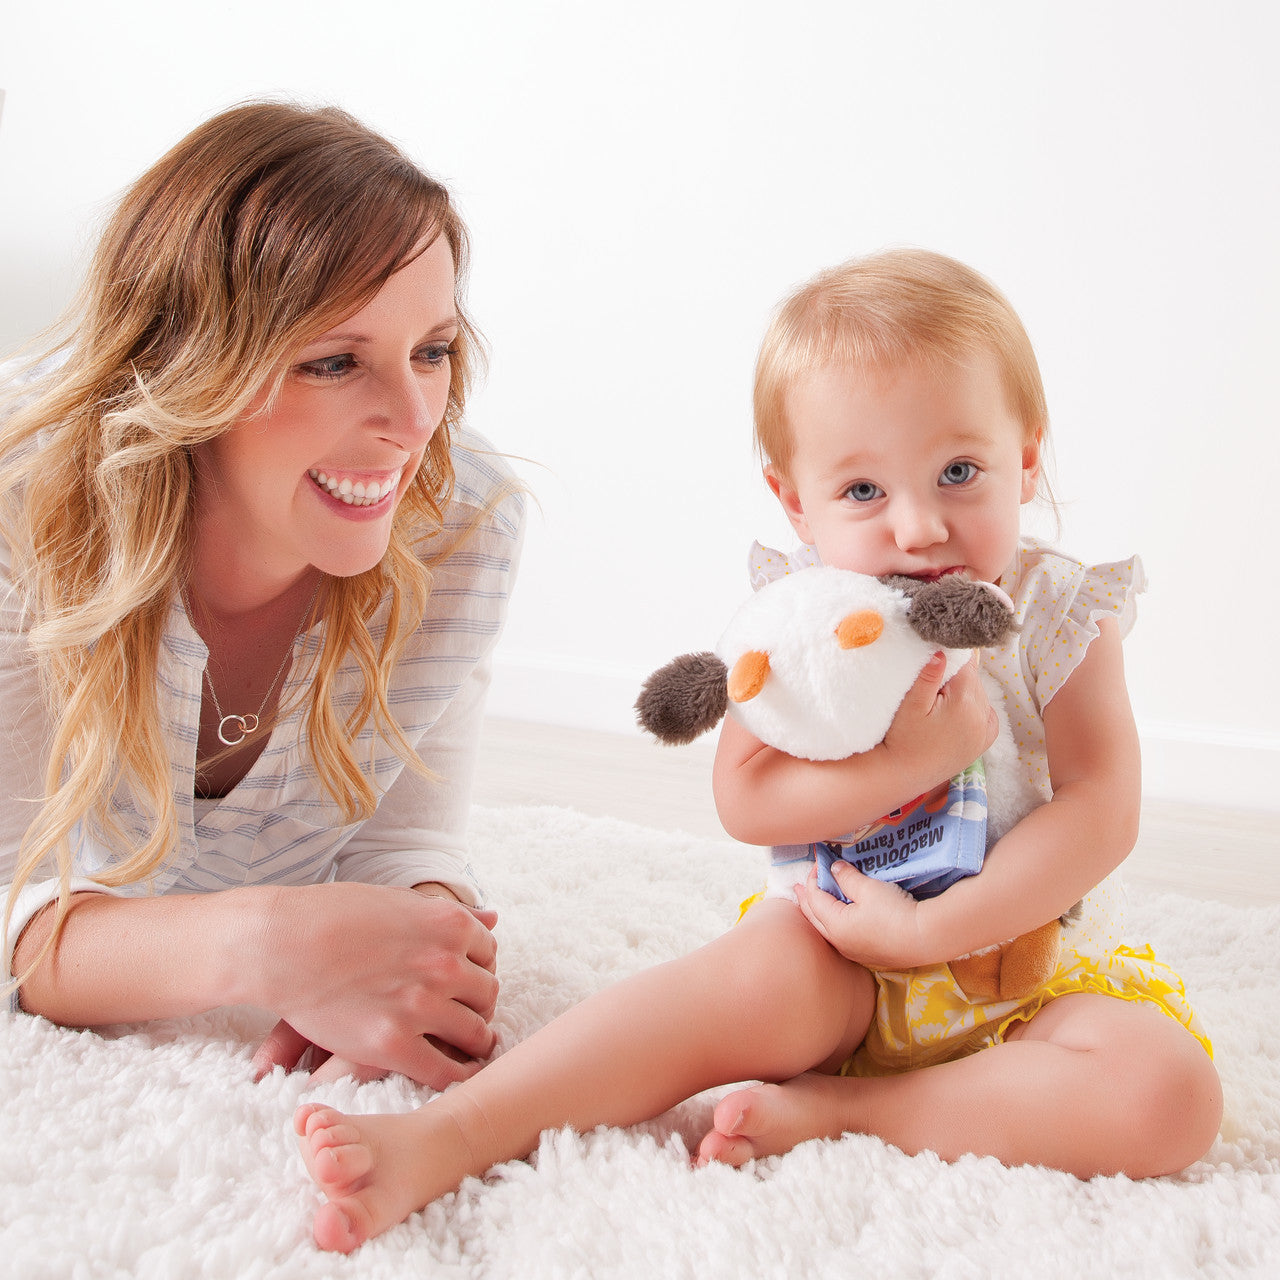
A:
x: 901, y: 418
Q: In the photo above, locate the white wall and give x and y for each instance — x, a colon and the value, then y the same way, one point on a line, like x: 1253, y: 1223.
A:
x: 643, y: 181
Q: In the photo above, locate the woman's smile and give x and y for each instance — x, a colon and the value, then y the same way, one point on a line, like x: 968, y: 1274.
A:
x: 312, y: 477
x: 354, y: 489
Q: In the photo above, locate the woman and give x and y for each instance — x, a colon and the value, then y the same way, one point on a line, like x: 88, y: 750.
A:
x: 253, y: 569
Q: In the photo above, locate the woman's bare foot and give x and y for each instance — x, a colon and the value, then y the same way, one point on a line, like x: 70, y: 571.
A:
x: 376, y: 1170
x: 770, y: 1119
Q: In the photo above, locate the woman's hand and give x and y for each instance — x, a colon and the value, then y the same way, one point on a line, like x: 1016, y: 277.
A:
x: 878, y: 927
x: 393, y: 979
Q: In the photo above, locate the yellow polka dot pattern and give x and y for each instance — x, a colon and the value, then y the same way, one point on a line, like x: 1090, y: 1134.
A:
x: 766, y: 564
x: 1058, y: 602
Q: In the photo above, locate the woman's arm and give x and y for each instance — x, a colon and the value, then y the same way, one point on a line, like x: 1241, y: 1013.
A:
x: 418, y: 834
x: 1051, y: 859
x: 363, y: 970
x: 767, y: 797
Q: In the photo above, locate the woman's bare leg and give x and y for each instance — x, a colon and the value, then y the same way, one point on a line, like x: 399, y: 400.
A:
x: 766, y: 1001
x: 1090, y: 1085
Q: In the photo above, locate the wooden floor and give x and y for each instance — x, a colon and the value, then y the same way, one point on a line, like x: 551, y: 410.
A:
x: 1229, y: 855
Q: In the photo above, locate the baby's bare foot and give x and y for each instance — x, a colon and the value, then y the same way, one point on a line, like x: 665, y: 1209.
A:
x: 770, y: 1119
x: 374, y: 1170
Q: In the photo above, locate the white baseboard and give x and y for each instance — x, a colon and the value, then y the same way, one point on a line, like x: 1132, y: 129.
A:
x: 1188, y: 763
x: 1206, y: 765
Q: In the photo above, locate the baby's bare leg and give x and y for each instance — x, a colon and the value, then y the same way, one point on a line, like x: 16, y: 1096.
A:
x: 1090, y: 1085
x: 766, y: 1001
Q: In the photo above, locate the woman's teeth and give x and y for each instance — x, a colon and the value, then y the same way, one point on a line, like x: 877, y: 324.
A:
x: 357, y: 493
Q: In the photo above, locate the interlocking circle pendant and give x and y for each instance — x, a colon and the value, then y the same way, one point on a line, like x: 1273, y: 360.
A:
x: 245, y: 724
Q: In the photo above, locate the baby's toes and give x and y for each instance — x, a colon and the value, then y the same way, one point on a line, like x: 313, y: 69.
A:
x: 341, y: 1226
x: 328, y: 1128
x: 338, y: 1167
x: 722, y: 1148
x: 302, y: 1116
x: 311, y: 1117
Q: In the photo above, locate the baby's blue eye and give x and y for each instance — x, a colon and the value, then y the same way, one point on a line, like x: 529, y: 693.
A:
x: 864, y: 491
x: 957, y: 473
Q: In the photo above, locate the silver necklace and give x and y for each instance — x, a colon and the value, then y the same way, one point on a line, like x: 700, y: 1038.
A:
x: 245, y: 725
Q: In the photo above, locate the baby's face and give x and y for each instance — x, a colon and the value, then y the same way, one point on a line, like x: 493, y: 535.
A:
x: 908, y: 471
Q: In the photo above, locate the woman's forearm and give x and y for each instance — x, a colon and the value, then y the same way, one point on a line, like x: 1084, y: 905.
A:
x: 135, y: 959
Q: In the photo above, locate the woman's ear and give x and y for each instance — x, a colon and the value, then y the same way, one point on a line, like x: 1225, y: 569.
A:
x: 790, y: 501
x: 1031, y: 466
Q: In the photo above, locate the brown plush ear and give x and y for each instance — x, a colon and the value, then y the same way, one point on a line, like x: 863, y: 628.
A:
x: 684, y: 699
x: 955, y: 613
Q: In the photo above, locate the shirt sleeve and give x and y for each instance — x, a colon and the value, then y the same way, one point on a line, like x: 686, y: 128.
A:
x: 25, y: 733
x: 418, y: 833
x: 1067, y: 600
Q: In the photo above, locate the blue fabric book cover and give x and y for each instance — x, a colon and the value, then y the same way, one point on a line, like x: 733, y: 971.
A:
x: 924, y: 847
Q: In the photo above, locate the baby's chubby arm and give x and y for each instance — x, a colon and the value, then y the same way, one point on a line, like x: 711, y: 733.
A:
x: 767, y: 797
x: 1047, y: 863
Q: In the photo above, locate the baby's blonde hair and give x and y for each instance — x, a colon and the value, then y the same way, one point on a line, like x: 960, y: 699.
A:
x: 899, y: 307
x: 258, y: 231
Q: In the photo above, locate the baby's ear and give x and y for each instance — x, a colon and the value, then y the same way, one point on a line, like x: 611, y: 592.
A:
x: 957, y: 614
x: 789, y: 498
x: 681, y: 701
x: 1031, y: 464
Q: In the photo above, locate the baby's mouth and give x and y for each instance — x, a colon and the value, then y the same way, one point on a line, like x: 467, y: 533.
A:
x: 355, y: 493
x: 935, y: 575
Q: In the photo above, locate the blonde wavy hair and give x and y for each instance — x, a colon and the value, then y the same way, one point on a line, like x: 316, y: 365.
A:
x: 899, y: 307
x: 261, y: 229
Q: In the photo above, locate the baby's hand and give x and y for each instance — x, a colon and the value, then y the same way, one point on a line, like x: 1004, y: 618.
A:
x: 878, y: 927
x: 941, y: 729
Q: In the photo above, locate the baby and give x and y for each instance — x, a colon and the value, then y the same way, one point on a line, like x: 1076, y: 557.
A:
x: 901, y: 418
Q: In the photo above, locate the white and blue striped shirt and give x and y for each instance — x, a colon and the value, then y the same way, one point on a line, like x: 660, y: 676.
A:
x: 279, y: 825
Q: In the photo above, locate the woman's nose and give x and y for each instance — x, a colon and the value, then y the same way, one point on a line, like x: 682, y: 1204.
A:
x: 407, y: 412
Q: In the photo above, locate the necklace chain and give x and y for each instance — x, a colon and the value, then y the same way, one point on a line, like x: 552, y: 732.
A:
x: 247, y: 724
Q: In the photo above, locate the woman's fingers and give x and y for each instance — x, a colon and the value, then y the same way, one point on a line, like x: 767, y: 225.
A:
x: 282, y: 1047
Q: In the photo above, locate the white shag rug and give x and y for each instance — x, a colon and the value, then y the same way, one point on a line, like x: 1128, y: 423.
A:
x: 151, y: 1153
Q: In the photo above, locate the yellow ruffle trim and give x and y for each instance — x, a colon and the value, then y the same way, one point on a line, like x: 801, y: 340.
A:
x: 923, y: 1018
x: 1100, y: 984
x: 1163, y: 989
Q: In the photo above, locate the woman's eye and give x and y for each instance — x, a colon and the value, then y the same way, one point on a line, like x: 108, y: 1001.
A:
x: 437, y: 353
x: 864, y: 491
x: 957, y: 473
x: 329, y: 366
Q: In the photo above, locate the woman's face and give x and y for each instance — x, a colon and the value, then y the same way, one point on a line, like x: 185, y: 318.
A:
x: 315, y: 479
